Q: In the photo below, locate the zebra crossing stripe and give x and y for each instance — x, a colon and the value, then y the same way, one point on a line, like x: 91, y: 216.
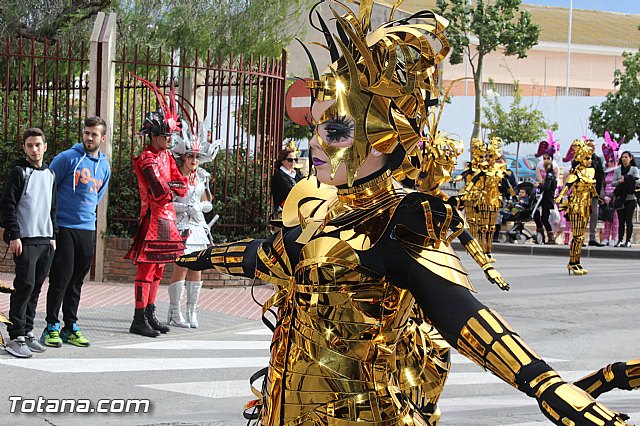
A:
x: 102, y: 365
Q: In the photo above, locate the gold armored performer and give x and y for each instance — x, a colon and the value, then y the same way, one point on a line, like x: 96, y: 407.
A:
x: 357, y: 251
x: 575, y: 199
x: 470, y: 194
x: 488, y: 184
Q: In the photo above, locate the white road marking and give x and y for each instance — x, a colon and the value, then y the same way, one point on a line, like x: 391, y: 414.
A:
x: 199, y: 345
x: 102, y: 365
x: 215, y: 390
x: 264, y: 331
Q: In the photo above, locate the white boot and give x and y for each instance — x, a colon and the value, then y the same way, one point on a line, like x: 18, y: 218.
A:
x: 193, y: 294
x: 174, y: 318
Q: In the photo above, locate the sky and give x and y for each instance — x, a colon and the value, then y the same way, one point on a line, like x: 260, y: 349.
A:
x: 625, y: 6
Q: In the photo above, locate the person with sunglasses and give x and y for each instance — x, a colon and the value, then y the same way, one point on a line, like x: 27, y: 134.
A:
x: 285, y: 176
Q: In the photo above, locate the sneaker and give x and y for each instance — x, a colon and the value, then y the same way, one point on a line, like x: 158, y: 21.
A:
x: 619, y: 244
x: 18, y: 347
x: 51, y: 336
x: 33, y: 344
x: 74, y: 336
x: 605, y: 242
x: 627, y: 244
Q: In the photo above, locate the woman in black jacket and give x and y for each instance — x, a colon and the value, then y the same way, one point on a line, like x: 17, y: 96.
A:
x: 625, y: 179
x: 285, y: 176
x: 548, y: 188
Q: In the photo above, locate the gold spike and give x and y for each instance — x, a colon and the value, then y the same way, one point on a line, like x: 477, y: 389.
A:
x: 393, y: 9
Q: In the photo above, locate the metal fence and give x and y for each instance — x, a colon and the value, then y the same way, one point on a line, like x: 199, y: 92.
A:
x: 242, y: 99
x: 41, y: 85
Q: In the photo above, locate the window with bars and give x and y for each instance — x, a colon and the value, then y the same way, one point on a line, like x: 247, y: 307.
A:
x: 573, y: 91
x: 501, y: 89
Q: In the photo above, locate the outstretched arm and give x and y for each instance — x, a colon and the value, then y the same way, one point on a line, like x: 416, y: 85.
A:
x: 435, y: 280
x: 238, y: 258
x: 480, y: 334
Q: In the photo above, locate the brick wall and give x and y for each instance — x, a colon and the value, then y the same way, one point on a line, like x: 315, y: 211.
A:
x: 118, y: 269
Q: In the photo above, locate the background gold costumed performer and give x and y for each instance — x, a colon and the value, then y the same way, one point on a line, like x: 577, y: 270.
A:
x: 488, y: 184
x: 358, y: 251
x: 575, y: 199
x: 469, y: 195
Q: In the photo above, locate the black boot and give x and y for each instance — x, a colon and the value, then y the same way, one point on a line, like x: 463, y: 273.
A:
x: 150, y: 314
x: 141, y: 326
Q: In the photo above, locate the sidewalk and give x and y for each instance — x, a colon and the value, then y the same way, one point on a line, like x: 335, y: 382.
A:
x: 107, y: 308
x: 529, y: 248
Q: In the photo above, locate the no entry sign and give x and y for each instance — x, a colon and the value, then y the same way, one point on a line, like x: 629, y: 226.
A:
x: 298, y: 102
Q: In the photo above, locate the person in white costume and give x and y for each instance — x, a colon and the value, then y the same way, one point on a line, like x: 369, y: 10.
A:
x: 191, y: 152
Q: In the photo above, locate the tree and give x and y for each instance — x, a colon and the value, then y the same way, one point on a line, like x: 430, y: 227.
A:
x: 520, y: 124
x: 620, y: 110
x: 259, y: 27
x: 495, y: 25
x: 48, y: 20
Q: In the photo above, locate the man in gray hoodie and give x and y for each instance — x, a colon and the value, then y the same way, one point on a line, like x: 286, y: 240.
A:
x: 28, y: 214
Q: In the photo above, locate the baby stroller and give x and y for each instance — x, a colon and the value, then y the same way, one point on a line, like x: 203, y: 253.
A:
x: 519, y: 231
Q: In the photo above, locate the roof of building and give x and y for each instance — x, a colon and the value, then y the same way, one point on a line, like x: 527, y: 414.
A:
x: 589, y: 27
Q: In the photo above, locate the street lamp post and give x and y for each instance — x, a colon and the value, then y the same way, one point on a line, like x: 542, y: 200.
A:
x: 566, y: 93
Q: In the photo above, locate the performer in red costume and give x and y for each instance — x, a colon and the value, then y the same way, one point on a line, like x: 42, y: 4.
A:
x: 158, y: 240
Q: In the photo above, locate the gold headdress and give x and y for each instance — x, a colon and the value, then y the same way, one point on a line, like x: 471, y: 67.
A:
x: 582, y: 151
x: 494, y: 150
x: 385, y: 79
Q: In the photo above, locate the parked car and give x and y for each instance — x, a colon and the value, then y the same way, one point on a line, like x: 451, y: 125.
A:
x: 526, y: 167
x: 526, y: 171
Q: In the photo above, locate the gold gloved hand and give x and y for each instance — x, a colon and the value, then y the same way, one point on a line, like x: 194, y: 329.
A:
x: 566, y: 404
x: 494, y: 277
x: 619, y: 375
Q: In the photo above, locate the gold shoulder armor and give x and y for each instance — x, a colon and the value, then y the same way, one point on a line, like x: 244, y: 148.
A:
x: 307, y: 201
x: 433, y: 250
x: 571, y: 178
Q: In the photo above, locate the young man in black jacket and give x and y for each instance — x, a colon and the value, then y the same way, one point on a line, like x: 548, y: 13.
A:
x: 28, y: 214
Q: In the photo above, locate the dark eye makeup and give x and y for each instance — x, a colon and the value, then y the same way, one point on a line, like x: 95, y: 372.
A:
x: 338, y: 129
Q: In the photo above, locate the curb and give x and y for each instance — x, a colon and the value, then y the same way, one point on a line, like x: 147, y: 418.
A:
x: 561, y: 250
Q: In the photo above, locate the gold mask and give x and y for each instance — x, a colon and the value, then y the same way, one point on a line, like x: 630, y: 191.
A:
x: 384, y: 80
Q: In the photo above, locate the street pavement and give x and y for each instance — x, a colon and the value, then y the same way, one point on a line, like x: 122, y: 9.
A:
x: 200, y: 376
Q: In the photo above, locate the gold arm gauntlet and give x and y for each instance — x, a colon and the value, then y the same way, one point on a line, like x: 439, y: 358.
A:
x: 477, y: 253
x: 488, y: 341
x: 226, y: 258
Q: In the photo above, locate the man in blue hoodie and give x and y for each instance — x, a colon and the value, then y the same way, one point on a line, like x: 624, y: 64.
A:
x: 82, y: 176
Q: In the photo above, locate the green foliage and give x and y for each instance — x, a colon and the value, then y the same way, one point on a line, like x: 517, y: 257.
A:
x: 619, y: 112
x: 49, y: 20
x: 295, y: 131
x: 495, y: 25
x: 259, y: 27
x: 61, y: 130
x: 231, y: 172
x: 520, y: 124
